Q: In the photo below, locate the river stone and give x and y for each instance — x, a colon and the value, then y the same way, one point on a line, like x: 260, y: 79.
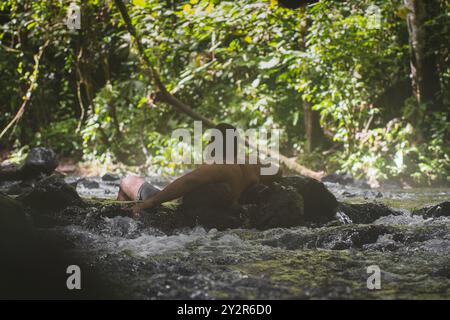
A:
x: 50, y: 194
x: 88, y: 184
x: 212, y: 207
x: 39, y: 161
x: 440, y: 210
x: 9, y: 172
x: 319, y: 203
x: 283, y: 207
x: 366, y: 212
x: 110, y: 177
x: 13, y: 223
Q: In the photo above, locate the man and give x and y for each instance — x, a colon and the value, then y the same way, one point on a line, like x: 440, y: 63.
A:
x: 238, y: 177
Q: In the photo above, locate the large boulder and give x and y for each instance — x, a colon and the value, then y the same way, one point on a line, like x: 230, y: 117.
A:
x: 9, y: 172
x: 320, y: 204
x: 276, y: 206
x: 212, y: 207
x: 34, y: 262
x: 14, y: 226
x: 439, y: 210
x: 50, y: 194
x: 39, y: 161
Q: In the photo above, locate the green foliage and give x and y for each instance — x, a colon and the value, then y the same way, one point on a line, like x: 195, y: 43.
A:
x: 251, y: 63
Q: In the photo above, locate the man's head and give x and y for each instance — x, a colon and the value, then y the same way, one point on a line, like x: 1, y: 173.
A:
x: 230, y: 137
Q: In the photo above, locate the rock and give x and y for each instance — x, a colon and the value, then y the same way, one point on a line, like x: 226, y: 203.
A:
x: 110, y: 177
x: 440, y: 210
x: 373, y: 194
x: 366, y: 212
x: 282, y: 208
x: 49, y: 195
x: 39, y: 161
x: 89, y: 184
x: 9, y: 172
x: 212, y: 207
x: 319, y: 203
x: 348, y: 194
x: 34, y: 263
x: 12, y: 187
x: 13, y: 224
x: 331, y: 238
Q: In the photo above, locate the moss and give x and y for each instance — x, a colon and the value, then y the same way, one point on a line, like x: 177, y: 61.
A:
x: 342, y: 274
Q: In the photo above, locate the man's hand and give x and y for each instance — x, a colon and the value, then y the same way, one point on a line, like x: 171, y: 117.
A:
x: 141, y: 205
x: 136, y: 210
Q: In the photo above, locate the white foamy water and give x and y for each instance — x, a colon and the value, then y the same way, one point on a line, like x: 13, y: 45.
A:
x: 120, y: 235
x: 404, y: 219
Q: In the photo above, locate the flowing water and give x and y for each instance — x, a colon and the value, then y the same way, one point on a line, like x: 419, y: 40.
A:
x: 326, y: 262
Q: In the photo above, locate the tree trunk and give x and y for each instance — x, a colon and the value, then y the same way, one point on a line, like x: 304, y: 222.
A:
x: 424, y: 70
x: 311, y: 118
x: 313, y: 131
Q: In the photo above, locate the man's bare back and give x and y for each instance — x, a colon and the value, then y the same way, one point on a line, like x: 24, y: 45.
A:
x: 239, y: 177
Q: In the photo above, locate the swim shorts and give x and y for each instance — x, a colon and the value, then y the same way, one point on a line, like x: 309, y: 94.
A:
x: 147, y: 191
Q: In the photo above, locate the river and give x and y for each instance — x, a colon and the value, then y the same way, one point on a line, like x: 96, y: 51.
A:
x: 328, y: 262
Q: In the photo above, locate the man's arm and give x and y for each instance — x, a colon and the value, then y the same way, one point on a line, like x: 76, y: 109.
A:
x: 184, y: 185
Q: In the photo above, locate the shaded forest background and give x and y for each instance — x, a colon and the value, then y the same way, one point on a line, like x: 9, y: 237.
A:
x: 350, y: 93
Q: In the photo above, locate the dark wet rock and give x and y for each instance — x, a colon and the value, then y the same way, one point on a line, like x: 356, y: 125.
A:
x: 88, y: 184
x: 373, y: 194
x: 256, y: 194
x: 366, y: 212
x: 34, y: 263
x: 92, y: 214
x: 9, y: 172
x: 12, y: 187
x: 39, y: 161
x: 366, y: 194
x: 348, y: 194
x: 332, y: 238
x: 290, y: 202
x: 212, y: 207
x: 319, y: 203
x: 370, y: 194
x: 110, y: 177
x: 282, y: 204
x: 165, y: 219
x: 351, y: 236
x: 13, y: 223
x: 49, y: 195
x: 282, y: 207
x: 439, y: 210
